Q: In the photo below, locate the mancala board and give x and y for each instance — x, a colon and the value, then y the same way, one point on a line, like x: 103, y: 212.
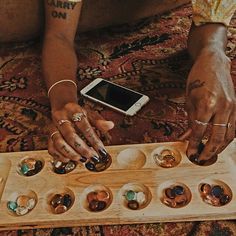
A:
x: 134, y: 169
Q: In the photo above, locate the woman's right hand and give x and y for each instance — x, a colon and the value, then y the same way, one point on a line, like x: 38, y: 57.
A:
x: 71, y: 122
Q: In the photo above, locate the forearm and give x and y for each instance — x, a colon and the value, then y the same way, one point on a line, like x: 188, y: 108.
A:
x: 209, y: 38
x: 59, y: 62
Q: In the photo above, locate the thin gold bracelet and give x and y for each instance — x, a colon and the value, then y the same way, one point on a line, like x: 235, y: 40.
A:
x: 61, y: 81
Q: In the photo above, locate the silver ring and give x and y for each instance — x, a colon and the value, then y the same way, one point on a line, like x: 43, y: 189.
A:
x: 78, y: 116
x: 228, y: 125
x: 200, y: 122
x: 54, y: 133
x: 61, y: 122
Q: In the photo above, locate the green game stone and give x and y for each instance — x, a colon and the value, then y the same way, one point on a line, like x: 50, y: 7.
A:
x: 130, y: 195
x: 12, y: 205
x: 24, y: 169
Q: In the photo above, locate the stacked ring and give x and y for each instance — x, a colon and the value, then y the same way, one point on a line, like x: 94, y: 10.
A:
x: 78, y: 116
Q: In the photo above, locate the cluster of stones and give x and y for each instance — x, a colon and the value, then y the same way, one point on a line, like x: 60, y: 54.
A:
x: 21, y: 205
x: 175, y: 196
x: 214, y: 195
x: 63, y: 168
x: 30, y: 166
x: 135, y: 200
x: 98, y: 200
x: 60, y: 203
x: 165, y: 159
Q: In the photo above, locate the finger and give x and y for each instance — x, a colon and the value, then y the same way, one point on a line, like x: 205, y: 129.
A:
x: 230, y: 132
x: 64, y: 149
x: 55, y: 154
x: 99, y: 122
x: 217, y: 138
x: 86, y: 129
x: 67, y: 130
x: 185, y: 135
x: 69, y: 134
x: 198, y: 131
x: 103, y: 125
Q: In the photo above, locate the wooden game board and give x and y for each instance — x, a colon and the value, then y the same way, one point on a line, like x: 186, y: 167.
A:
x: 132, y: 165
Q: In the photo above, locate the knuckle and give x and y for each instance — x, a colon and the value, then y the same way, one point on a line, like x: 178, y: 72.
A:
x: 71, y: 106
x: 210, y: 104
x: 58, y: 142
x: 207, y: 102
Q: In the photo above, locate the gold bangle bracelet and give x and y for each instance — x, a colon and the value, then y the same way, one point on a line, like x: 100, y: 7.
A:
x: 61, y: 81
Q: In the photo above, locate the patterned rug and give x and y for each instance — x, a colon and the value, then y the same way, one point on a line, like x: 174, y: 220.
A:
x: 148, y: 56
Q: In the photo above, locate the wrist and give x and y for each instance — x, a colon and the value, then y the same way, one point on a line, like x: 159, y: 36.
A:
x: 212, y: 49
x: 214, y: 52
x: 63, y: 94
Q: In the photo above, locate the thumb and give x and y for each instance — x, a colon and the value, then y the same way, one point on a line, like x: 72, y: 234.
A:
x: 104, y: 125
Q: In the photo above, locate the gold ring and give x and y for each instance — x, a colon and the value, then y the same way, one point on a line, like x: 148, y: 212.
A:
x: 61, y: 122
x: 54, y: 133
x: 78, y: 116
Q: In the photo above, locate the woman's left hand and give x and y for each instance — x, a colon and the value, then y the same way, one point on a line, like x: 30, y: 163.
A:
x: 210, y: 100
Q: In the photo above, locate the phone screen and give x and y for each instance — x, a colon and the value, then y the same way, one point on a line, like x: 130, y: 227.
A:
x: 114, y: 95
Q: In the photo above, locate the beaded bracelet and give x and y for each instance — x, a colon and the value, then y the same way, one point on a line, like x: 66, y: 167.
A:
x: 61, y: 81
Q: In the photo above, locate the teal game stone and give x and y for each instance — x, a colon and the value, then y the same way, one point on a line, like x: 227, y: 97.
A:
x: 24, y: 169
x: 12, y: 205
x: 130, y: 195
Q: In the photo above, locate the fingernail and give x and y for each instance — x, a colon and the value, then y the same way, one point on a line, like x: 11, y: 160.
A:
x: 95, y: 159
x: 83, y: 159
x: 103, y: 153
x: 90, y: 166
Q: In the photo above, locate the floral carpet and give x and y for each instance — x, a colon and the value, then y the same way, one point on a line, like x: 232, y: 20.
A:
x: 148, y: 56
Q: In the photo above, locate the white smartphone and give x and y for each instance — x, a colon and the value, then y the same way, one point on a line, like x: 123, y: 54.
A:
x: 115, y: 96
